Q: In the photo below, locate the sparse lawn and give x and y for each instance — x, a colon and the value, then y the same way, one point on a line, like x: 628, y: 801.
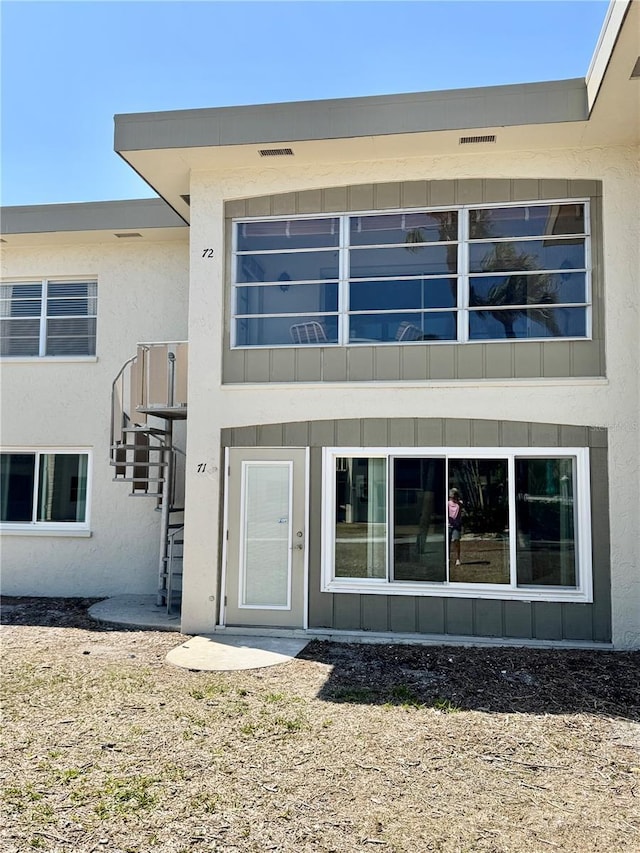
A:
x: 390, y: 748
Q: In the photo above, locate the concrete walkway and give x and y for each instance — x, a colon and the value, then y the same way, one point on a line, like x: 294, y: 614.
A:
x: 210, y: 653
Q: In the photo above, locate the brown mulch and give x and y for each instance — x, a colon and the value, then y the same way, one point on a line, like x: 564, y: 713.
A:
x: 349, y: 747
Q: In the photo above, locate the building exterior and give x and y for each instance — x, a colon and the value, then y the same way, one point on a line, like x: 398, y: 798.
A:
x: 390, y: 303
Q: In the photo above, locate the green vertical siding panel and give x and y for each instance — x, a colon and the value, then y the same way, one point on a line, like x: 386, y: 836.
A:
x: 375, y: 433
x: 598, y: 437
x: 235, y: 208
x: 386, y: 196
x: 334, y: 366
x: 586, y: 358
x: 573, y: 436
x: 245, y: 436
x: 260, y: 206
x: 527, y: 359
x: 234, y: 367
x: 320, y: 603
x: 309, y: 364
x: 360, y: 361
x: 442, y: 193
x: 360, y: 197
x: 374, y: 613
x: 402, y: 614
x: 547, y: 620
x: 514, y: 434
x: 442, y: 361
x: 488, y: 618
x: 544, y: 435
x: 496, y: 190
x: 556, y: 358
x: 485, y: 433
x: 414, y: 362
x: 583, y: 188
x: 387, y: 364
x: 518, y: 619
x: 498, y: 360
x: 284, y: 204
x: 577, y: 620
x: 322, y: 434
x: 226, y: 437
x: 346, y: 612
x: 296, y: 434
x: 414, y: 194
x: 470, y: 361
x: 257, y: 365
x: 601, y: 537
x: 402, y: 432
x: 430, y: 615
x: 310, y: 201
x: 334, y: 200
x: 457, y: 432
x: 430, y: 432
x: 469, y: 191
x: 553, y: 188
x: 270, y: 435
x: 459, y: 616
x: 524, y: 189
x: 282, y: 365
x: 349, y: 433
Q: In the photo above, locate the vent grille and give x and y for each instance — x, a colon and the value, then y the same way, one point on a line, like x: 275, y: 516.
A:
x: 474, y: 140
x: 127, y: 235
x: 636, y: 70
x: 275, y: 152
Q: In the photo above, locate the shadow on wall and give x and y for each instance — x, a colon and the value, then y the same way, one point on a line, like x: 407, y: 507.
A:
x: 494, y: 680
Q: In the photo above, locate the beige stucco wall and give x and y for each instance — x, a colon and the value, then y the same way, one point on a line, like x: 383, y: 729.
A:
x: 142, y: 296
x: 611, y: 402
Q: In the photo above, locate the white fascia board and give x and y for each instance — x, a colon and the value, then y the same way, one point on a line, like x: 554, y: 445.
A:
x: 604, y: 48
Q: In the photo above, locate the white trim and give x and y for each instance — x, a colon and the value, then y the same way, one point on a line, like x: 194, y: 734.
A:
x: 307, y: 506
x: 225, y: 536
x: 583, y: 592
x: 409, y: 384
x: 245, y: 465
x: 48, y: 359
x: 51, y: 528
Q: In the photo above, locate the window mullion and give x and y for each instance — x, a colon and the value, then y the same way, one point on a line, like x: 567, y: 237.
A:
x: 463, y: 275
x: 36, y: 487
x: 511, y: 491
x: 42, y: 347
x: 343, y: 288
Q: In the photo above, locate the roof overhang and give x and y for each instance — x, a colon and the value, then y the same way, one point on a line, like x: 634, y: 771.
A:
x: 165, y: 147
x: 91, y: 222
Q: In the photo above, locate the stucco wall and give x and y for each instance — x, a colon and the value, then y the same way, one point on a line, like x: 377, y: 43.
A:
x: 142, y: 296
x: 612, y: 403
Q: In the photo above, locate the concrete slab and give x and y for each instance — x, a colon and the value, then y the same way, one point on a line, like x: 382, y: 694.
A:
x: 219, y: 654
x: 137, y: 611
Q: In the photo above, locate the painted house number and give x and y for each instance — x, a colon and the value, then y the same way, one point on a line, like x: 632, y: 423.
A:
x: 207, y: 253
x: 202, y: 467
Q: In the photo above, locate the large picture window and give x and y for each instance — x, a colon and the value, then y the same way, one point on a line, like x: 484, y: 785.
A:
x: 48, y: 318
x: 477, y: 521
x: 464, y: 274
x: 43, y: 489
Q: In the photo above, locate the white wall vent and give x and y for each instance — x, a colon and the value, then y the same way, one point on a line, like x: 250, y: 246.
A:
x: 127, y: 235
x: 474, y: 140
x: 275, y: 152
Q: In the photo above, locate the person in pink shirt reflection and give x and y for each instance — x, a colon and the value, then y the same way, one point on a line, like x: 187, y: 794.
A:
x: 455, y: 510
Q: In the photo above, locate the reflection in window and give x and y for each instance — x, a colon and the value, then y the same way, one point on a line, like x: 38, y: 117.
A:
x: 419, y: 532
x: 361, y: 518
x: 482, y: 486
x: 545, y: 522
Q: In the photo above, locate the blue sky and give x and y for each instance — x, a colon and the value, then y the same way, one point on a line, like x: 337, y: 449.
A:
x: 68, y: 67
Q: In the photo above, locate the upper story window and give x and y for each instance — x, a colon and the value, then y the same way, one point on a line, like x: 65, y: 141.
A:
x: 464, y: 274
x: 48, y: 318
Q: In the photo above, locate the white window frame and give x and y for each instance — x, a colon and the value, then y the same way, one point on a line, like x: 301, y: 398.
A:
x: 462, y: 309
x: 44, y: 317
x: 582, y: 592
x: 51, y: 528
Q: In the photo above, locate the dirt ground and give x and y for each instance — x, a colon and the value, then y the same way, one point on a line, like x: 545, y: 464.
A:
x: 402, y: 749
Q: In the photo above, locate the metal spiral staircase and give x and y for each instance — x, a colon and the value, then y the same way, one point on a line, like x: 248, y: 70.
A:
x: 148, y: 396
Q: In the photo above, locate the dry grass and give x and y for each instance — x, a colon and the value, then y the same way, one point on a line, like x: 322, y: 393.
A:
x: 397, y: 749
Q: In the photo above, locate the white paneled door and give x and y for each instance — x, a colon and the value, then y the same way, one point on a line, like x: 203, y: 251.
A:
x: 266, y: 549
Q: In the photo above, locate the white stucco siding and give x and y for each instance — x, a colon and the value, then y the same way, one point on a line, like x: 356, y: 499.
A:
x: 142, y: 296
x: 612, y: 403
